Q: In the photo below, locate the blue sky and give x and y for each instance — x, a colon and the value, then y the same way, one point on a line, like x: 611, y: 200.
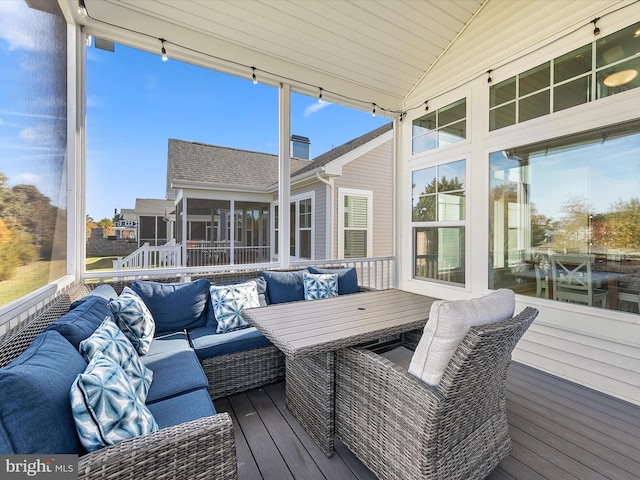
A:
x: 136, y: 102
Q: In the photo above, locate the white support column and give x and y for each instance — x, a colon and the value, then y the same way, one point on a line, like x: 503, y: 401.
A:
x: 284, y: 175
x: 76, y: 97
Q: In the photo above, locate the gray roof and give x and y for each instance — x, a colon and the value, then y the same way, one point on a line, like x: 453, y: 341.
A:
x: 216, y: 165
x: 152, y: 206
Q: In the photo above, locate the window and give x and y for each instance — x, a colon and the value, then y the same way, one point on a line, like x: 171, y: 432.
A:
x: 571, y: 196
x: 572, y: 79
x: 33, y: 202
x: 439, y: 128
x: 438, y: 219
x: 301, y: 228
x: 355, y: 223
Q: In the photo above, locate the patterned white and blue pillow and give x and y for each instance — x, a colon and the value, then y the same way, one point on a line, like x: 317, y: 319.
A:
x: 134, y: 319
x: 105, y: 407
x: 228, y: 301
x: 109, y: 340
x: 320, y: 285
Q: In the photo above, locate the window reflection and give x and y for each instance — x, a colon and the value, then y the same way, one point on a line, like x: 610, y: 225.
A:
x: 565, y: 217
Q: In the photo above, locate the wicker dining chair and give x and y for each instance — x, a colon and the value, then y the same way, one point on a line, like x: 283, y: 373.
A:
x: 402, y: 428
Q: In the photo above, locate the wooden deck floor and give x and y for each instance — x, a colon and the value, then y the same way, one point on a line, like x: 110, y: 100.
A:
x: 559, y: 431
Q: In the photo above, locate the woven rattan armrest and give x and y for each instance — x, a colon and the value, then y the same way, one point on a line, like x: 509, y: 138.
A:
x: 202, y: 448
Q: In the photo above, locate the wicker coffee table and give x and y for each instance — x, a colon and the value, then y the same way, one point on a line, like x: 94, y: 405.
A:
x: 310, y: 332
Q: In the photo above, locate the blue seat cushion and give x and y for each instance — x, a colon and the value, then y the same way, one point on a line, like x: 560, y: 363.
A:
x: 183, y: 408
x: 208, y: 344
x: 168, y: 344
x: 175, y: 306
x: 347, y: 278
x: 174, y: 374
x: 35, y: 410
x: 80, y: 323
x: 284, y: 287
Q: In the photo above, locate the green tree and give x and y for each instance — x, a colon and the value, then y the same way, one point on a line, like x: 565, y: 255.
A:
x: 573, y: 229
x: 107, y: 225
x: 621, y: 225
x: 425, y: 208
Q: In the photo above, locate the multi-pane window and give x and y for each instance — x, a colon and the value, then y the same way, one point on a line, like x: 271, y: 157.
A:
x: 567, y: 210
x: 438, y: 219
x: 602, y: 68
x: 33, y: 150
x: 300, y: 228
x: 355, y: 224
x: 441, y: 127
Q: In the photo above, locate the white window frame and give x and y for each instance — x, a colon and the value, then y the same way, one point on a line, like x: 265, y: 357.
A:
x: 296, y: 199
x: 351, y: 192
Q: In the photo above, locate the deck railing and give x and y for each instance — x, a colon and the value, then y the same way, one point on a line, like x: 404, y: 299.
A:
x: 163, y: 256
x: 201, y: 253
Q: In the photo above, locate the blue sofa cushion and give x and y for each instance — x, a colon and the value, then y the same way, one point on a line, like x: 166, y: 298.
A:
x: 208, y: 344
x: 183, y: 408
x: 105, y: 406
x: 174, y: 374
x: 79, y: 323
x: 175, y: 306
x: 35, y: 411
x: 168, y: 344
x: 347, y: 278
x: 104, y: 291
x: 134, y: 319
x: 284, y: 287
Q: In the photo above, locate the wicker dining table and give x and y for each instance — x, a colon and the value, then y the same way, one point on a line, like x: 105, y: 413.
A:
x: 310, y: 332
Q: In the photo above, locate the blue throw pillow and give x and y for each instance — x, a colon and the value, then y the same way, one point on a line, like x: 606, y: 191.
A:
x: 175, y: 306
x: 82, y: 321
x: 109, y: 340
x: 284, y: 286
x: 228, y: 302
x: 106, y: 409
x: 134, y: 319
x: 35, y: 413
x: 320, y: 285
x: 261, y: 286
x: 347, y: 278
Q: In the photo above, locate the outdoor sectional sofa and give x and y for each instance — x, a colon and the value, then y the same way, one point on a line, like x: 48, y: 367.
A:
x: 192, y: 365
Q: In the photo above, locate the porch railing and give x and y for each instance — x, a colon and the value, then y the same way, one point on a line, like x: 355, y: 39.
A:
x: 163, y: 256
x: 203, y: 253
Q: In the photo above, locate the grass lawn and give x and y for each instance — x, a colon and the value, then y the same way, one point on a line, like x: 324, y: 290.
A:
x: 37, y: 274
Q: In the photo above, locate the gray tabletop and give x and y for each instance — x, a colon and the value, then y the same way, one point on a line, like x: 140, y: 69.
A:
x: 316, y: 326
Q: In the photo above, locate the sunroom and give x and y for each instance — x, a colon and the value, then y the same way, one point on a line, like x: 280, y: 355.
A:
x: 516, y: 142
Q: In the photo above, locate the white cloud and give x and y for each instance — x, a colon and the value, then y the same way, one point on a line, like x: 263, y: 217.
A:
x: 25, y: 179
x: 23, y: 27
x: 315, y: 107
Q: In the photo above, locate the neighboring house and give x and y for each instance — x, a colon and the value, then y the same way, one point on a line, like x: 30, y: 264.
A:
x: 231, y: 198
x: 151, y: 221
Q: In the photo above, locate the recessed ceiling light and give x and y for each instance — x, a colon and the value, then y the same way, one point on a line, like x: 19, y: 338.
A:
x: 620, y: 78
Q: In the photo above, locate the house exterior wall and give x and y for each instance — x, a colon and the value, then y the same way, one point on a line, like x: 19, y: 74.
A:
x: 318, y: 194
x: 373, y: 172
x: 592, y: 346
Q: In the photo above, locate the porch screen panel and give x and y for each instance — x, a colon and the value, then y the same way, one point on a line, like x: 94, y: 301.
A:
x: 33, y: 101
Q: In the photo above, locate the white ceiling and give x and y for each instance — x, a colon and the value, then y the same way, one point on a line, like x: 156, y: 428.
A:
x: 370, y: 50
x: 358, y: 51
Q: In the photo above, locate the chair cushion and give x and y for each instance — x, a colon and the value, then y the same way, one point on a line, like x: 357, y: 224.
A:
x: 284, y: 287
x: 208, y: 344
x: 347, y: 278
x: 109, y: 340
x: 228, y: 302
x: 183, y: 408
x: 82, y: 321
x: 134, y: 319
x: 448, y: 324
x: 175, y: 306
x: 106, y: 408
x: 35, y: 412
x: 103, y: 291
x: 174, y: 374
x: 320, y: 285
x: 169, y: 343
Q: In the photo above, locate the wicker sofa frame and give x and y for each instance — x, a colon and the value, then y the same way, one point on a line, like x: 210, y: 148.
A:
x: 203, y: 448
x: 401, y: 428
